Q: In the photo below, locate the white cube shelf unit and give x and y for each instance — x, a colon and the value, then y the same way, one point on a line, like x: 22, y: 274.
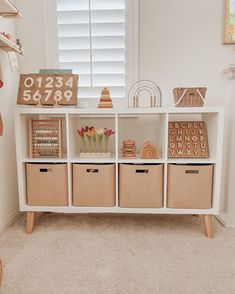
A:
x: 139, y: 124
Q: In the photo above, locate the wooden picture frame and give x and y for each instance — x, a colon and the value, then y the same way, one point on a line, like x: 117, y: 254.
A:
x: 48, y: 89
x: 229, y: 27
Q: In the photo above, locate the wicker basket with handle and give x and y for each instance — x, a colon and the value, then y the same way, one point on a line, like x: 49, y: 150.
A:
x: 189, y: 97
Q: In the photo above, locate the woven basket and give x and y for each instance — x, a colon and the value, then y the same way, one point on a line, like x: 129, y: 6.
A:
x: 189, y: 97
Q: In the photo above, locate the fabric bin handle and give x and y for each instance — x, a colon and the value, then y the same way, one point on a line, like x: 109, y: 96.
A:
x: 45, y: 170
x: 192, y: 171
x: 92, y: 170
x: 142, y: 171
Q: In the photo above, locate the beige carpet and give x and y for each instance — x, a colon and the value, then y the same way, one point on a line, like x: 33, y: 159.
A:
x: 70, y: 254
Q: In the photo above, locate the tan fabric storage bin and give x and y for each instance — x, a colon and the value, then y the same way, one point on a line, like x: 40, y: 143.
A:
x: 94, y: 185
x: 140, y: 186
x: 47, y: 184
x: 190, y: 186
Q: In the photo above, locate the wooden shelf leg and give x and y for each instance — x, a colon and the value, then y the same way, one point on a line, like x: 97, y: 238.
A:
x: 208, y: 225
x: 30, y: 222
x: 1, y: 270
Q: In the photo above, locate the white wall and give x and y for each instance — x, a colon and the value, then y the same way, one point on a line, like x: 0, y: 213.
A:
x: 228, y: 217
x: 37, y: 15
x: 8, y: 180
x: 180, y: 45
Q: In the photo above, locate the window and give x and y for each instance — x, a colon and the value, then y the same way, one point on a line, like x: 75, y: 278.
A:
x: 92, y: 40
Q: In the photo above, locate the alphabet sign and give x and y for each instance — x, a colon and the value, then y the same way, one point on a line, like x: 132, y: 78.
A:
x: 54, y: 89
x: 187, y: 139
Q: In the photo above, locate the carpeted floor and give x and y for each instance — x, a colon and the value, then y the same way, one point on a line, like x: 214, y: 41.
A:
x: 70, y: 254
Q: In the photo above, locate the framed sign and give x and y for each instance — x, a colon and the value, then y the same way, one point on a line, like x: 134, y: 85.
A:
x: 187, y: 139
x: 229, y: 35
x: 51, y: 89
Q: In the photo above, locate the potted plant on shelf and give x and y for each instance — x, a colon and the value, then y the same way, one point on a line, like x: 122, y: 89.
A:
x: 94, y: 142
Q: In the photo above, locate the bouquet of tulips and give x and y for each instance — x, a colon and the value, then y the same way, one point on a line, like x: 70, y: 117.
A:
x: 95, y: 140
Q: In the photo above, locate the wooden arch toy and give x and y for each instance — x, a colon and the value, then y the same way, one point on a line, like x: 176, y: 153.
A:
x: 149, y: 151
x: 149, y: 87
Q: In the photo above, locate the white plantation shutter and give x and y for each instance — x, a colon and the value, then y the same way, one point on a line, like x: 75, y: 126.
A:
x: 91, y: 36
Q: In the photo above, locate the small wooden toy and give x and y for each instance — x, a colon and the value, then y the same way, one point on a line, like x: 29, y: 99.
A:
x: 45, y: 138
x: 129, y: 149
x: 149, y: 151
x: 8, y: 36
x: 142, y: 90
x: 105, y: 99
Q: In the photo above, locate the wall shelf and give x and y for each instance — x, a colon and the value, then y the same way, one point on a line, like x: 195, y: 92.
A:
x: 8, y: 46
x: 8, y: 10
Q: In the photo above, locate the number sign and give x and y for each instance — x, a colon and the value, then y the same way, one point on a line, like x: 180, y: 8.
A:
x: 55, y: 89
x: 187, y: 139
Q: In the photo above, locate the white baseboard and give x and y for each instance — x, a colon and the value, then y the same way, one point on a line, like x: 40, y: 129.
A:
x: 226, y: 220
x: 9, y: 221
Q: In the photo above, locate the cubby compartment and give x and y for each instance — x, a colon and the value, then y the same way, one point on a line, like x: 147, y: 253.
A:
x: 211, y: 121
x: 190, y: 186
x: 25, y: 137
x: 141, y: 186
x: 95, y: 149
x: 94, y: 185
x: 47, y: 184
x: 143, y: 128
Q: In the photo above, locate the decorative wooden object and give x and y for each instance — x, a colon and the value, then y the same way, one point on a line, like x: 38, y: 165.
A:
x: 142, y: 88
x: 30, y: 222
x: 229, y: 30
x: 208, y: 222
x: 54, y: 89
x: 149, y: 151
x: 129, y: 149
x: 187, y: 139
x: 10, y: 37
x: 45, y: 138
x: 189, y: 97
x: 7, y: 45
x: 105, y: 99
x: 1, y: 126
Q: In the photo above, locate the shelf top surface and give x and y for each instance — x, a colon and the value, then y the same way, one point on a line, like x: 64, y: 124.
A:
x: 113, y: 111
x: 6, y: 7
x: 113, y: 159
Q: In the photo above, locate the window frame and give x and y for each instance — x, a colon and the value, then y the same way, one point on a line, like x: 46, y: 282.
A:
x: 132, y: 20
